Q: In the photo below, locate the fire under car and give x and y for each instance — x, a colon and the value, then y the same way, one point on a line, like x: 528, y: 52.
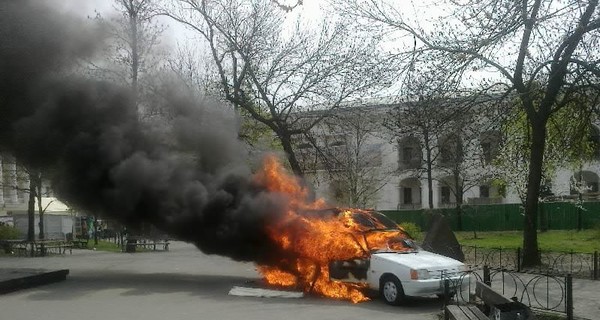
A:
x: 395, y: 265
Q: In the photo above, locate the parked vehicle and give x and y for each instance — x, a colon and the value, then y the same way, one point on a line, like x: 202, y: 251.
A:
x: 396, y: 267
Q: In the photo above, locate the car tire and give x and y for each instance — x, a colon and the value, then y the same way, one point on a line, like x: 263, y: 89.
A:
x: 391, y: 290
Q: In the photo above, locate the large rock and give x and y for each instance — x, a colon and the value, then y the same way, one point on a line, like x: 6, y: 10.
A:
x: 441, y: 240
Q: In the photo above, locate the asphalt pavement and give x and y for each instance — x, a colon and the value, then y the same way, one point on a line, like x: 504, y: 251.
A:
x: 182, y: 283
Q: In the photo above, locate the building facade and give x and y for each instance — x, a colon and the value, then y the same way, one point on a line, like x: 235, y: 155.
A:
x: 14, y: 186
x: 462, y: 169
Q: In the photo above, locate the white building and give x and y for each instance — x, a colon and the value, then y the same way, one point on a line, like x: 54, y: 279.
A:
x: 14, y: 198
x: 13, y: 185
x: 394, y: 165
x: 58, y: 219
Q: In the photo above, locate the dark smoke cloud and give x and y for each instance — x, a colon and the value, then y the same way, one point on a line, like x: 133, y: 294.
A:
x: 86, y: 134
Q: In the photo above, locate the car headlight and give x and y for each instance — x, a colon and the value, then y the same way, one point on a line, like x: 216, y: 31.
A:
x: 419, y: 274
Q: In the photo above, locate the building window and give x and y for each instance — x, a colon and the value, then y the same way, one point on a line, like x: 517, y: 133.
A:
x: 486, y: 149
x: 407, y: 154
x: 447, y: 156
x: 484, y: 191
x: 371, y: 157
x: 445, y: 194
x: 407, y: 193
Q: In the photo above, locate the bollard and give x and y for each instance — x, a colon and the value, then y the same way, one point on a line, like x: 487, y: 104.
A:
x: 569, y: 302
x: 486, y: 276
x: 446, y: 293
x: 595, y: 273
x: 519, y: 259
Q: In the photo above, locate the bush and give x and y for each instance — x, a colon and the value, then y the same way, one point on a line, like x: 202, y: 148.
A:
x: 8, y: 232
x: 412, y: 229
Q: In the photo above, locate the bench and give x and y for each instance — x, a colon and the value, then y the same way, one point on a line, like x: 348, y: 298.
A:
x: 495, y: 304
x: 463, y: 312
x: 499, y: 304
x: 80, y: 243
x: 42, y: 248
x: 131, y: 244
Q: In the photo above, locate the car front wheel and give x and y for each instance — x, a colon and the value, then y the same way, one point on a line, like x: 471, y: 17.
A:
x: 391, y: 290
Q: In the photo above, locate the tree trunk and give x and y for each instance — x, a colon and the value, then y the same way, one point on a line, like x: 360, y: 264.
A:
x: 95, y: 230
x: 41, y: 210
x: 41, y: 235
x: 459, y: 200
x: 135, y: 56
x: 530, y: 244
x: 286, y: 143
x: 428, y: 164
x: 429, y: 186
x: 31, y: 210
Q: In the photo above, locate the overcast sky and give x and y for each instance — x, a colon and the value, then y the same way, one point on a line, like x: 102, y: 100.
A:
x: 175, y: 33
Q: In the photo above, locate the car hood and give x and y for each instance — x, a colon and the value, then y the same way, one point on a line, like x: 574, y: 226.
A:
x: 420, y: 260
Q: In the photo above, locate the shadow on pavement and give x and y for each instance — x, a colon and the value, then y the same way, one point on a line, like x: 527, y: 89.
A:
x: 211, y: 287
x: 135, y: 284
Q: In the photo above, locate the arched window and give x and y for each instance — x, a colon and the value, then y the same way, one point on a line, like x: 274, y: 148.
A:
x: 490, y: 143
x: 410, y: 193
x: 451, y: 151
x: 409, y: 153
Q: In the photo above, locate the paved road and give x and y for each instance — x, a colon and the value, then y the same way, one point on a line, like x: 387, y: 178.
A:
x: 180, y: 284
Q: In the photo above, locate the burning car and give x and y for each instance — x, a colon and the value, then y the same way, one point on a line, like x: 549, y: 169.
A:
x: 395, y: 266
x: 343, y: 253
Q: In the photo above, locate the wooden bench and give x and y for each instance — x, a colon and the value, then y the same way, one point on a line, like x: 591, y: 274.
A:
x: 463, y: 312
x: 146, y: 244
x: 45, y: 247
x: 496, y: 302
x: 80, y: 243
x: 14, y: 246
x: 492, y: 300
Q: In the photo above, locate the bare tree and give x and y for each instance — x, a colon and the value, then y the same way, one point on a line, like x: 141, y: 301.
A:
x: 133, y: 39
x: 524, y: 44
x: 418, y: 121
x: 275, y: 70
x: 468, y: 149
x: 349, y: 147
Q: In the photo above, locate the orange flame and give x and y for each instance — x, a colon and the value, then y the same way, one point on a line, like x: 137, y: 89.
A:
x: 314, y: 241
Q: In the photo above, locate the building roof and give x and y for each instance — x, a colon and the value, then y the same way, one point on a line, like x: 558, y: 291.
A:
x: 51, y: 204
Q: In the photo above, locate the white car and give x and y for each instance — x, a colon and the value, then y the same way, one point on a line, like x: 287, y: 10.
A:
x: 399, y: 270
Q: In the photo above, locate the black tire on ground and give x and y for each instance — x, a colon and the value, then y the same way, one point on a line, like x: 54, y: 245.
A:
x: 391, y: 290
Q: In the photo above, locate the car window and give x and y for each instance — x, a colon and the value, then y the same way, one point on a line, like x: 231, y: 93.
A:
x: 373, y: 220
x: 363, y: 220
x: 385, y: 221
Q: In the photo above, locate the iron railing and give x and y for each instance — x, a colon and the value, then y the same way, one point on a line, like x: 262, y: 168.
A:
x: 545, y: 292
x: 577, y: 264
x: 542, y: 292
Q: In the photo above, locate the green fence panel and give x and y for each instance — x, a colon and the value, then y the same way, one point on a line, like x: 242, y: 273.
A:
x: 565, y: 215
x: 504, y: 217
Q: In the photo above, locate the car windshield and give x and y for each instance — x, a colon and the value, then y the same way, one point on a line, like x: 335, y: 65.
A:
x: 381, y: 234
x: 374, y: 221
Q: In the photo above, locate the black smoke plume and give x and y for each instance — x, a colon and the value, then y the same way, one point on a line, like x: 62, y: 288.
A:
x: 87, y: 135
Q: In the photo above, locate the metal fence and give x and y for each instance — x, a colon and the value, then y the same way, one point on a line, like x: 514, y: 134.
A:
x: 545, y: 292
x: 538, y: 291
x: 579, y: 265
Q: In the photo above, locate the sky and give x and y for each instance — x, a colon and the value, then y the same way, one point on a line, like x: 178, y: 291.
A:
x: 175, y: 32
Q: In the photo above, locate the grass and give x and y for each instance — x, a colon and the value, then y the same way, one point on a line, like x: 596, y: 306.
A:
x: 104, y: 246
x: 586, y: 241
